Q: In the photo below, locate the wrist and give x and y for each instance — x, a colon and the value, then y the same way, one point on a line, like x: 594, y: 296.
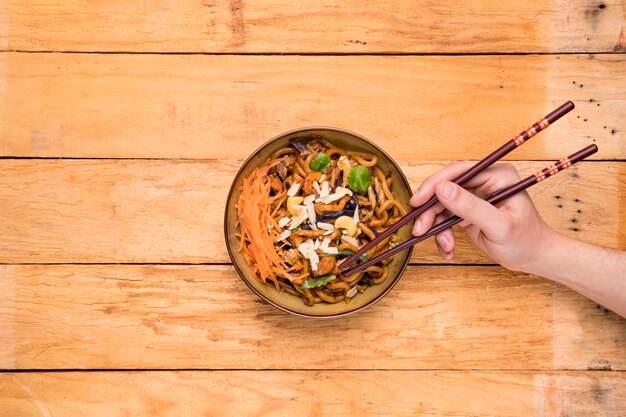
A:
x: 547, y: 254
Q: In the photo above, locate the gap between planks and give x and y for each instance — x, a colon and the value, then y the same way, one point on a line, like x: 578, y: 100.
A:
x: 443, y: 54
x: 477, y: 370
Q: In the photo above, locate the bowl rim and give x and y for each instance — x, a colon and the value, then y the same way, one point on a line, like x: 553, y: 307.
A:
x: 230, y: 193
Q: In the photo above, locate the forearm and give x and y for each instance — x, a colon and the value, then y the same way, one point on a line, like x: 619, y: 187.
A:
x: 597, y: 273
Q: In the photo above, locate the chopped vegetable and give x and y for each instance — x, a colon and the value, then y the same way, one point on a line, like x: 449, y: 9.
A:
x: 254, y: 208
x: 339, y: 253
x: 317, y: 282
x: 351, y: 204
x: 366, y: 280
x: 321, y: 162
x: 298, y: 146
x: 335, y: 214
x: 362, y: 258
x: 282, y: 169
x: 359, y: 179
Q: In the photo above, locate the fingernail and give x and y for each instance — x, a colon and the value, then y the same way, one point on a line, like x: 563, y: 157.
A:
x: 417, y: 227
x: 443, y: 242
x: 448, y: 190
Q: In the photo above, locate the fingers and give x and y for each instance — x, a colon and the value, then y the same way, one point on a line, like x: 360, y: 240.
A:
x: 427, y: 189
x: 426, y: 220
x: 471, y: 208
x: 446, y: 256
x: 445, y: 240
x: 423, y: 222
x: 492, y: 179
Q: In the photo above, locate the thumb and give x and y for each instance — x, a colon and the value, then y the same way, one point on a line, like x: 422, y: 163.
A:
x: 471, y: 208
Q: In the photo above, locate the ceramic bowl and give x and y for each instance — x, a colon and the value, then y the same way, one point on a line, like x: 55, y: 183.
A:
x: 345, y: 140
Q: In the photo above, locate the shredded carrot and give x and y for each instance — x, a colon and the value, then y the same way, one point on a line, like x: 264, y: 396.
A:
x: 276, y: 184
x: 296, y: 266
x: 259, y: 230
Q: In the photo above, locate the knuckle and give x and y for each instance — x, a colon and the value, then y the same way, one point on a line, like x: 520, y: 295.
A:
x: 507, y: 166
x: 457, y: 165
x: 466, y: 200
x: 510, y: 170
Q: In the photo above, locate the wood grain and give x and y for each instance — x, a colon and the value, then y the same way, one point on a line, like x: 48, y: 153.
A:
x: 448, y: 340
x: 164, y: 211
x: 173, y: 317
x: 350, y: 26
x: 319, y: 393
x: 223, y: 107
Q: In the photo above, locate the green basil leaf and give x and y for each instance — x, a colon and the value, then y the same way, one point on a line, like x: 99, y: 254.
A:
x: 321, y: 162
x: 317, y: 282
x: 359, y: 179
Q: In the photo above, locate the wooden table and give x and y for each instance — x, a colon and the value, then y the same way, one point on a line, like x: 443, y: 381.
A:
x: 122, y: 125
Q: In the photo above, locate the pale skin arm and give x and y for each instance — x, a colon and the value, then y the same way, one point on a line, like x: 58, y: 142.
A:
x: 516, y: 237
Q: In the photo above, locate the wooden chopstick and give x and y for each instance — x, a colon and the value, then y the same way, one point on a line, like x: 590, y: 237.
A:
x: 493, y: 199
x: 469, y: 174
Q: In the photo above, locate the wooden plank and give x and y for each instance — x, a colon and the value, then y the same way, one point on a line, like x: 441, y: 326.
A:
x: 319, y: 393
x: 439, y: 317
x: 146, y: 211
x: 323, y: 26
x: 199, y: 106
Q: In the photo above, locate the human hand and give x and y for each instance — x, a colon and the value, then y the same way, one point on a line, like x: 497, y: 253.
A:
x: 513, y: 234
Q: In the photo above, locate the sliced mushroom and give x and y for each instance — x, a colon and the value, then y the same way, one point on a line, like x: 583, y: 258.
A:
x: 282, y: 169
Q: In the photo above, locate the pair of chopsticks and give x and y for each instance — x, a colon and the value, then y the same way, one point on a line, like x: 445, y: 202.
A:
x: 493, y: 199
